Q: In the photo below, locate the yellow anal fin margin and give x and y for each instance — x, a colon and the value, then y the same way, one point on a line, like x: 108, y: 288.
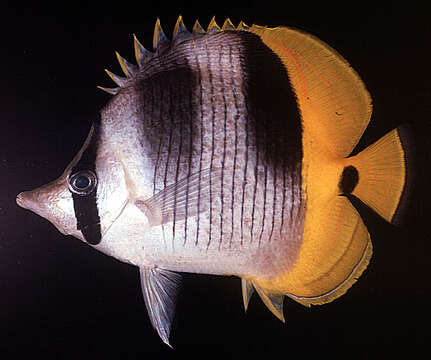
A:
x: 340, y: 289
x: 335, y: 251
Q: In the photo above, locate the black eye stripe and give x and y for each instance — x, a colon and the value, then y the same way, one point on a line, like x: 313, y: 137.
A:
x: 85, y: 205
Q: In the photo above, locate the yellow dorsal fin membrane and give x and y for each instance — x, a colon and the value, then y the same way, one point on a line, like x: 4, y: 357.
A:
x: 333, y: 100
x: 382, y: 175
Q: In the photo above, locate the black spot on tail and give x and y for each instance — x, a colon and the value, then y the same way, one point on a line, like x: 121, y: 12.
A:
x: 349, y: 180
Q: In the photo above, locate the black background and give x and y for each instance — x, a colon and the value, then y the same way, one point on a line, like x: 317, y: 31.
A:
x: 60, y: 298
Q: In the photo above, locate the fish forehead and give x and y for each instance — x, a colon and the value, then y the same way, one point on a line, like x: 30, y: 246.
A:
x: 210, y: 103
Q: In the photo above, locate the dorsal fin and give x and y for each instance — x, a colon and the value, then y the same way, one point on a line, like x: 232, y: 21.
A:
x: 335, y: 105
x: 111, y: 91
x: 160, y: 44
x: 242, y: 26
x: 180, y: 31
x: 213, y: 27
x: 160, y: 41
x: 142, y: 55
x: 128, y: 69
x: 227, y: 25
x: 119, y: 80
x: 197, y: 28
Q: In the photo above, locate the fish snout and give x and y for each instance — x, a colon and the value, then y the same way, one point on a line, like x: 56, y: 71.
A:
x: 37, y: 201
x: 26, y: 200
x: 52, y: 202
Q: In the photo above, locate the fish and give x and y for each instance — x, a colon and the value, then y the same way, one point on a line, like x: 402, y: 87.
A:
x: 228, y: 151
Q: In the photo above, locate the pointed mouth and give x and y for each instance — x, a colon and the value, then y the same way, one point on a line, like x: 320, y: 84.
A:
x: 24, y: 200
x: 35, y: 202
x: 19, y: 199
x: 30, y: 200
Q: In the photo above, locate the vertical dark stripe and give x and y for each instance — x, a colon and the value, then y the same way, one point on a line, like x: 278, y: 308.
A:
x: 244, y: 180
x: 178, y: 115
x: 265, y: 137
x: 199, y: 81
x: 159, y: 147
x: 189, y: 165
x: 235, y: 100
x: 276, y: 118
x: 274, y: 202
x: 85, y: 206
x: 254, y: 192
x: 292, y: 198
x: 224, y: 145
x: 171, y: 129
x: 298, y: 198
x: 284, y: 196
x: 273, y: 149
x: 212, y: 139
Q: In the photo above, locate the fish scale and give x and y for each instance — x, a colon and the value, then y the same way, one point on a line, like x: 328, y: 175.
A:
x: 225, y: 152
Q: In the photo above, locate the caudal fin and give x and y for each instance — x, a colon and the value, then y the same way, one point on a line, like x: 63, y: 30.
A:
x: 382, y: 174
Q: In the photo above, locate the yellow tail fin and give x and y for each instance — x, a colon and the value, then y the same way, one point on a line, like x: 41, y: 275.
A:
x: 382, y: 175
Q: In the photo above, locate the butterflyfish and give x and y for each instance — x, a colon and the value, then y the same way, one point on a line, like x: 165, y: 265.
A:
x: 228, y: 152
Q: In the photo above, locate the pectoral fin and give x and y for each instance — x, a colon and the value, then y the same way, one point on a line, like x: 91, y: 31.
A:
x: 185, y: 198
x: 160, y: 288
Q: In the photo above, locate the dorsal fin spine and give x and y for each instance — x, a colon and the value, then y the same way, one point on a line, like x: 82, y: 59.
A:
x: 197, y: 28
x: 161, y: 42
x: 159, y: 38
x: 111, y: 91
x: 142, y: 55
x: 180, y: 32
x: 213, y: 27
x: 119, y: 80
x: 128, y: 69
x: 227, y: 25
x: 179, y: 26
x: 242, y: 26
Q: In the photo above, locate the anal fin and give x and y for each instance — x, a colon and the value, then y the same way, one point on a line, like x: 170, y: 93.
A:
x: 273, y: 301
x: 247, y: 291
x: 342, y: 287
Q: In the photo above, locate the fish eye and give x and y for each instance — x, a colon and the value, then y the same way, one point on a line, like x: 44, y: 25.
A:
x: 82, y: 182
